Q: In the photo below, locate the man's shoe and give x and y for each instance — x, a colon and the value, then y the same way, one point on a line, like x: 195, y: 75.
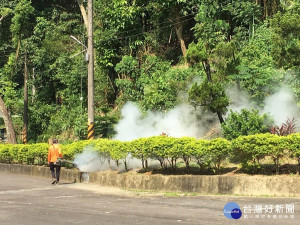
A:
x: 54, y: 181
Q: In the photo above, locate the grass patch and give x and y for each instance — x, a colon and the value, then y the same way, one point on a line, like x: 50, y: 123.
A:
x: 140, y: 192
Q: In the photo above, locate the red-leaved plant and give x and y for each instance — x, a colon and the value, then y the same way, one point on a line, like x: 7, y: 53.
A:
x: 286, y: 128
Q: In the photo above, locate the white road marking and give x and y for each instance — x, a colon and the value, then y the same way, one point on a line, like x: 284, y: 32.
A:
x: 25, y: 190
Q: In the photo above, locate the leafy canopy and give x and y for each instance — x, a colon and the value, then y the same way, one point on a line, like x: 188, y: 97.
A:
x: 246, y: 122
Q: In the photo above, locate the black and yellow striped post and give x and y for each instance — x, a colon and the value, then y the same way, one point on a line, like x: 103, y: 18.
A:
x: 24, y: 135
x: 91, y: 131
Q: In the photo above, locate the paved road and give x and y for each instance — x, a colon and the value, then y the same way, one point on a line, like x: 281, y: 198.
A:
x: 30, y: 200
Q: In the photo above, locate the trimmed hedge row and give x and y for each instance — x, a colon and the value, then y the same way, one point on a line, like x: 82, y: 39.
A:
x: 28, y: 154
x: 247, y: 150
x: 250, y: 150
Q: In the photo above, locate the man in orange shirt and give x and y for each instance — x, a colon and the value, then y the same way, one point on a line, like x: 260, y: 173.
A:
x: 54, y: 158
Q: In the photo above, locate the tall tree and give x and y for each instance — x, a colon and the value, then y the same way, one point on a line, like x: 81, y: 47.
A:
x: 11, y: 136
x: 139, y: 48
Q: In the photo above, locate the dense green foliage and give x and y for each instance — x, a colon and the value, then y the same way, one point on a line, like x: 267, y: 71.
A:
x: 247, y: 150
x: 147, y: 52
x: 209, y: 95
x: 246, y: 122
x: 250, y: 150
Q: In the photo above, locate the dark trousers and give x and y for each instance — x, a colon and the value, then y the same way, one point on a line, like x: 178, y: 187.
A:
x: 55, y: 171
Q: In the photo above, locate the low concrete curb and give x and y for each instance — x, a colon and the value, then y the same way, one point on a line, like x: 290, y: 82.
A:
x: 40, y: 171
x: 279, y: 186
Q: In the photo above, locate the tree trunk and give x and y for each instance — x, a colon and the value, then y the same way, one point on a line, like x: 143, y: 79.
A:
x: 1, y: 18
x: 265, y: 2
x: 220, y: 117
x: 25, y: 116
x: 83, y: 13
x: 179, y: 28
x: 5, y: 13
x: 207, y: 70
x: 33, y: 86
x: 11, y: 136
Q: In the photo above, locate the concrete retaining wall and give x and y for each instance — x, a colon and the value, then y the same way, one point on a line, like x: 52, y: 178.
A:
x: 283, y: 185
x: 40, y: 171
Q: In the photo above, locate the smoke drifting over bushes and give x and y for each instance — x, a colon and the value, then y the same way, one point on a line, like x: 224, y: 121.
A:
x: 89, y: 161
x: 181, y: 121
x: 282, y: 105
x: 238, y: 100
x: 184, y: 120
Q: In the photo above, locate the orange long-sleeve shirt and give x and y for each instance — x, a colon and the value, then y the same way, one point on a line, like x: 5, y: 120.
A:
x: 54, y: 152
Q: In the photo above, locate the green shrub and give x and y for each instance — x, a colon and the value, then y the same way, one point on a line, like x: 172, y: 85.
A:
x: 247, y: 122
x: 201, y: 153
x: 247, y: 150
x: 6, y: 155
x: 22, y: 154
x: 218, y: 150
x: 138, y: 150
x: 182, y: 147
x: 119, y: 151
x: 159, y: 148
x: 277, y: 149
x: 102, y: 146
x: 38, y: 153
x: 70, y: 150
x: 294, y: 147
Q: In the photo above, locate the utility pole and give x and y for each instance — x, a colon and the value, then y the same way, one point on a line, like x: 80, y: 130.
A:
x: 90, y: 57
x: 25, y: 113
